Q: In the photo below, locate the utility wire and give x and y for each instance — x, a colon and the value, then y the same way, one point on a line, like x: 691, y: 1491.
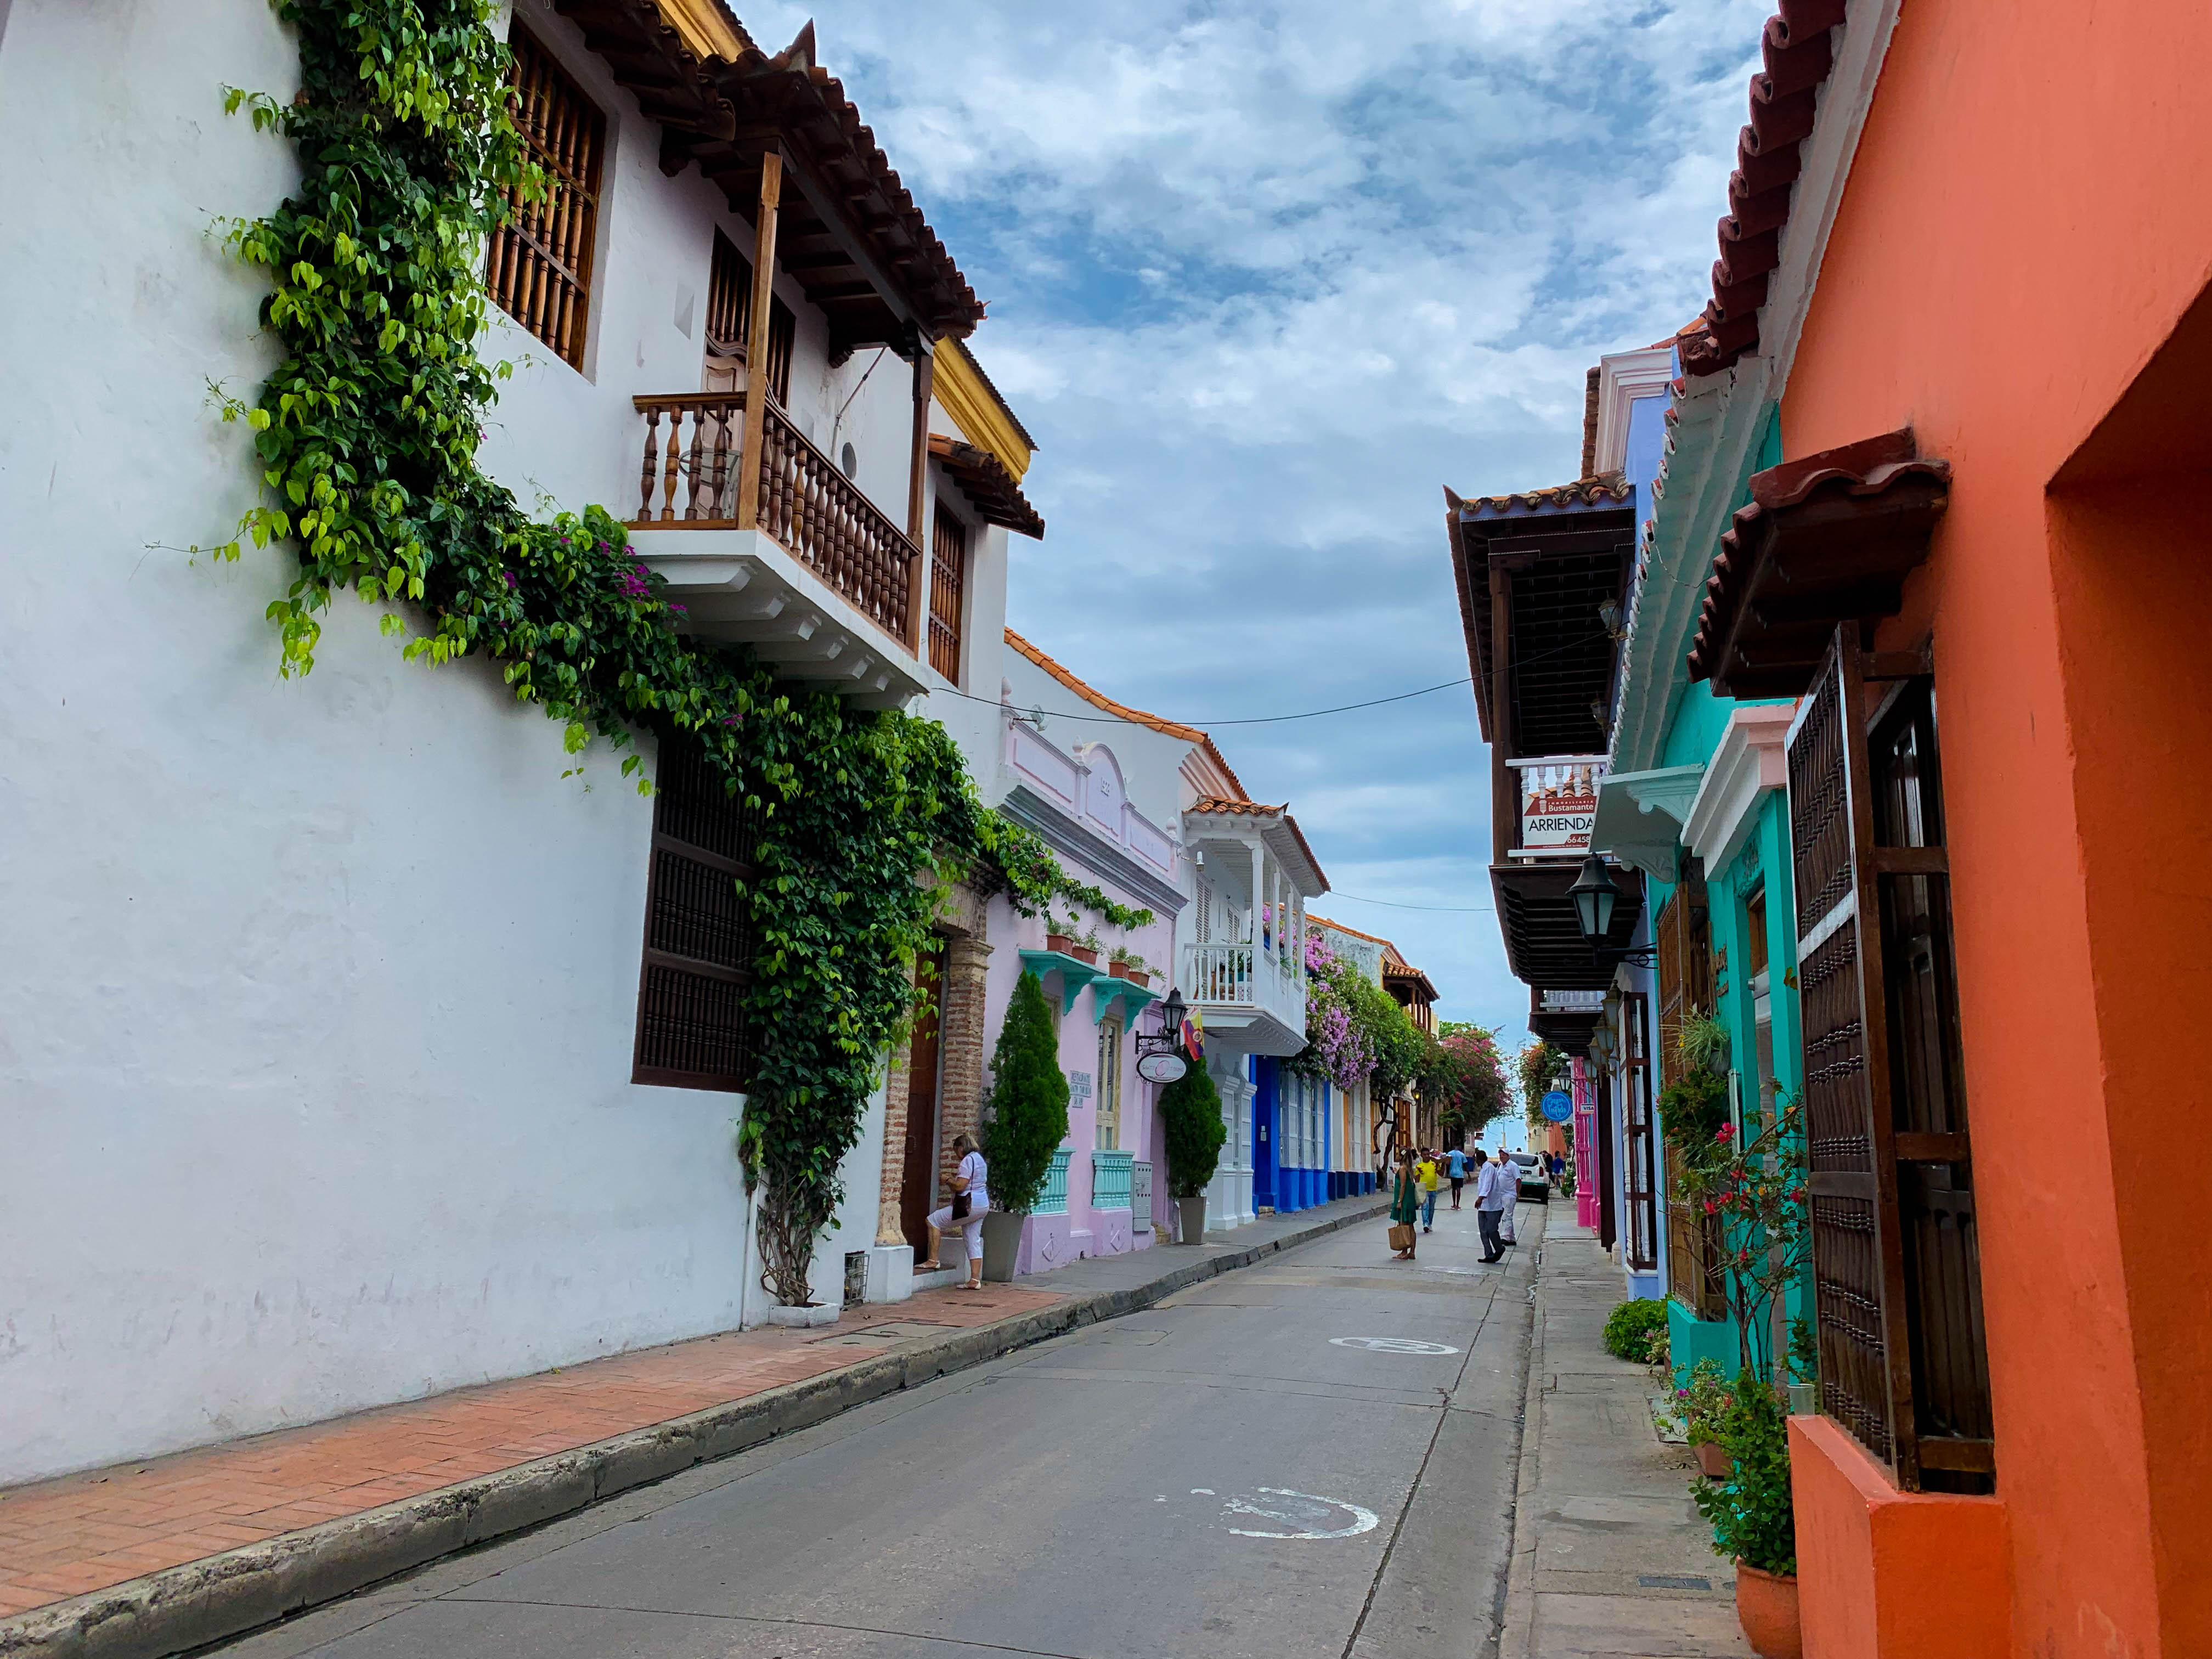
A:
x: 1254, y: 719
x: 1444, y: 909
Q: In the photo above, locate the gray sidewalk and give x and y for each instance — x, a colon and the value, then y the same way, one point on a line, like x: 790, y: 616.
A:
x: 1610, y: 1559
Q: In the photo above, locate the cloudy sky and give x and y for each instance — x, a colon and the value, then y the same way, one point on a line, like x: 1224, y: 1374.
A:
x: 1263, y: 278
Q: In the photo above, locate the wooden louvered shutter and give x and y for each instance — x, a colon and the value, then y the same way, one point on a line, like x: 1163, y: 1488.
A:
x: 730, y: 316
x: 1896, y: 1269
x: 1684, y: 976
x: 538, y: 263
x: 698, y: 931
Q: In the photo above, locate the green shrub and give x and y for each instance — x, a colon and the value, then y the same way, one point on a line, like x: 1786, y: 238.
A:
x: 1629, y: 1328
x: 1027, y: 1112
x: 1190, y: 1113
x: 1750, y: 1511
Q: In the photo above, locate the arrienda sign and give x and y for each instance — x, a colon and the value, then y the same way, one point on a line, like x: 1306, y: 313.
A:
x: 1558, y: 822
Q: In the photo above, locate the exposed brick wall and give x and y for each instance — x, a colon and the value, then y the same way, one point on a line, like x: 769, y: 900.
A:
x: 962, y: 1083
x: 961, y: 992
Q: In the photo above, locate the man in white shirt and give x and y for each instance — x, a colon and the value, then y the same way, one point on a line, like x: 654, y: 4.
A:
x: 1494, y: 1192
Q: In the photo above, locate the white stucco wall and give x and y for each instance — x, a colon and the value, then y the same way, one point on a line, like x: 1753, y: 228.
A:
x: 316, y: 998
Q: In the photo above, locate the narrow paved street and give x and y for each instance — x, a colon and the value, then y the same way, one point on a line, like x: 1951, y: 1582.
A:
x: 1235, y: 1471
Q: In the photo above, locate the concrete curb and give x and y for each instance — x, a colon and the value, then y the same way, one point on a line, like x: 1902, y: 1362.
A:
x: 1517, y: 1635
x: 224, y: 1596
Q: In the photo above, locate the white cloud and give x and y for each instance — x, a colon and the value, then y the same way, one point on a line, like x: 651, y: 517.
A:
x: 1265, y: 277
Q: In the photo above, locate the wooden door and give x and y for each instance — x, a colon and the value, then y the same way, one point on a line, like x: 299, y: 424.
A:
x: 925, y: 1072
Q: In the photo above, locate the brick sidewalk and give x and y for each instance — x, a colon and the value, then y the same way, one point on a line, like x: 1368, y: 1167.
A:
x: 85, y: 1532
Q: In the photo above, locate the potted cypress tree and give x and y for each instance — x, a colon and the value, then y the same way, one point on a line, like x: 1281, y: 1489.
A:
x: 1025, y: 1121
x: 1190, y: 1113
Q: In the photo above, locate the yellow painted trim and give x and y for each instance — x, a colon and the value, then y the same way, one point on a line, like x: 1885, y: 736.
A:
x: 705, y: 30
x: 983, y: 420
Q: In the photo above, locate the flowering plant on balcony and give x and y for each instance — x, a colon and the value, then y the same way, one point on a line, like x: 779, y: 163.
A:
x: 1755, y: 1186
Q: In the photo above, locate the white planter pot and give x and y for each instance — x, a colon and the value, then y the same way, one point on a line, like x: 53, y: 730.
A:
x: 804, y: 1318
x: 1190, y: 1220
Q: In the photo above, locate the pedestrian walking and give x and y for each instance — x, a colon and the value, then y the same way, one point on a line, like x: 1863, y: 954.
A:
x: 1429, y: 1172
x: 1456, y: 1167
x: 1493, y: 1193
x: 1510, y: 1167
x: 1405, y: 1206
x: 971, y: 1197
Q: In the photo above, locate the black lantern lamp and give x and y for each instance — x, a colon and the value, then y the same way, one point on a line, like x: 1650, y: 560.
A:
x: 1595, y: 893
x: 1160, y: 1059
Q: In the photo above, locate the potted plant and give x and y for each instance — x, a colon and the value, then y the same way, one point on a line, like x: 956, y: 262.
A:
x: 1702, y: 1402
x: 1753, y: 1523
x: 1190, y: 1115
x: 1059, y: 933
x: 1025, y: 1121
x: 1117, y: 963
x: 1139, y: 971
x: 1085, y: 949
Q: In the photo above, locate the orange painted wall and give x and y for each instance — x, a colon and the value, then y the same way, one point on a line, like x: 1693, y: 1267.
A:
x: 1889, y: 1575
x: 2028, y: 216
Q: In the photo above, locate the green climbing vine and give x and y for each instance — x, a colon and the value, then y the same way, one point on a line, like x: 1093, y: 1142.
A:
x: 366, y: 436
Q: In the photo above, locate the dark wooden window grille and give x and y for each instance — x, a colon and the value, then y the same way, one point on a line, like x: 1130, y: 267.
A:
x: 698, y: 931
x: 948, y: 583
x: 539, y: 270
x: 1896, y: 1264
x: 730, y: 316
x: 1640, y: 1188
x: 1685, y: 987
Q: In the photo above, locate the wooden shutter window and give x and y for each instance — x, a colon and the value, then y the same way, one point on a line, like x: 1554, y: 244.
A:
x: 539, y: 269
x: 698, y: 931
x: 948, y: 583
x: 1896, y: 1266
x: 730, y: 316
x: 1684, y: 960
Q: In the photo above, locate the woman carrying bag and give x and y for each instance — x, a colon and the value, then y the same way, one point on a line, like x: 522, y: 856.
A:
x: 1405, y: 1207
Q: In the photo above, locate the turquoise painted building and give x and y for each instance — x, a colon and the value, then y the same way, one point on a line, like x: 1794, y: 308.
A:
x: 1696, y: 798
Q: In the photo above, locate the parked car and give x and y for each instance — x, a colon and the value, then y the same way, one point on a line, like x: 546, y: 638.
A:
x: 1535, y: 1181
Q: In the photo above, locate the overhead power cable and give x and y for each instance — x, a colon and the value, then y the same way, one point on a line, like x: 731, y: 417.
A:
x: 1442, y: 909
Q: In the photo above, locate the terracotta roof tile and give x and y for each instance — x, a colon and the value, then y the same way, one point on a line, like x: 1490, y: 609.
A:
x: 989, y: 487
x: 1098, y: 699
x: 1785, y: 96
x: 1223, y: 804
x: 1593, y: 489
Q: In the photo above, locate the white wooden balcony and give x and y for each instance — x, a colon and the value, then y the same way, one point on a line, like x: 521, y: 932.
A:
x: 1557, y: 800
x: 1245, y: 970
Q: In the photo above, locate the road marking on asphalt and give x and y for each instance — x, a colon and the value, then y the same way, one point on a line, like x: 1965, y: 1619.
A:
x: 1392, y: 1344
x: 1201, y: 1491
x: 1309, y: 1517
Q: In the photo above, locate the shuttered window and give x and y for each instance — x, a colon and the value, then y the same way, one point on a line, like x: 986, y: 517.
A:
x: 948, y: 584
x: 730, y: 316
x: 1896, y: 1263
x: 539, y: 268
x: 1682, y: 934
x: 698, y: 933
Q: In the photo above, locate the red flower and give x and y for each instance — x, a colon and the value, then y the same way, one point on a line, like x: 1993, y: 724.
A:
x: 1724, y: 1132
x: 1711, y: 1208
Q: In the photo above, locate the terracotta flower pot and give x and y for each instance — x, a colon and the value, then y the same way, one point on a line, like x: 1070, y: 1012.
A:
x: 1766, y: 1607
x: 1713, y: 1463
x: 1117, y: 970
x: 1084, y: 953
x: 1138, y: 976
x: 1060, y: 943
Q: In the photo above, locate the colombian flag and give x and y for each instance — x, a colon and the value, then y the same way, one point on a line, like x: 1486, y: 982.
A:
x: 1193, y: 1034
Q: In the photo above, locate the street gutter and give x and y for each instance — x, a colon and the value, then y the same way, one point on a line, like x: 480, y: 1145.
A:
x: 222, y: 1596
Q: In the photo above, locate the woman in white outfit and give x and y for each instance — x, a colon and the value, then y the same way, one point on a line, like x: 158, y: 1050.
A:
x: 971, y: 1198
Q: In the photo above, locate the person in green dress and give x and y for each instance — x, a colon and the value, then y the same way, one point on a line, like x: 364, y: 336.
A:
x: 1406, y: 1203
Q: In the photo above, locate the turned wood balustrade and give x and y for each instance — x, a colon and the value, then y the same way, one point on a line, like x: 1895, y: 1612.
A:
x: 692, y: 477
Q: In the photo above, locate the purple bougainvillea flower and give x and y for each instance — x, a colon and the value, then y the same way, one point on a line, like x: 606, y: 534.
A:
x: 681, y: 610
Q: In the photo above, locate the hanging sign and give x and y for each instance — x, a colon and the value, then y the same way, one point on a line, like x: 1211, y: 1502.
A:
x: 1162, y: 1068
x: 1558, y: 1106
x: 1558, y: 815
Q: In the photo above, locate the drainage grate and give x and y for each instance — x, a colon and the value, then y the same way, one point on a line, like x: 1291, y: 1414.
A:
x: 1670, y: 1580
x: 856, y: 1278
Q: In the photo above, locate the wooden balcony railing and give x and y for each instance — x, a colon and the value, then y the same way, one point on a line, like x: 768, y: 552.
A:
x: 1558, y: 799
x: 691, y: 480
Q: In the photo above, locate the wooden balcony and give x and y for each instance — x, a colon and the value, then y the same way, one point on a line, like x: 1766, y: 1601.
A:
x: 803, y: 565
